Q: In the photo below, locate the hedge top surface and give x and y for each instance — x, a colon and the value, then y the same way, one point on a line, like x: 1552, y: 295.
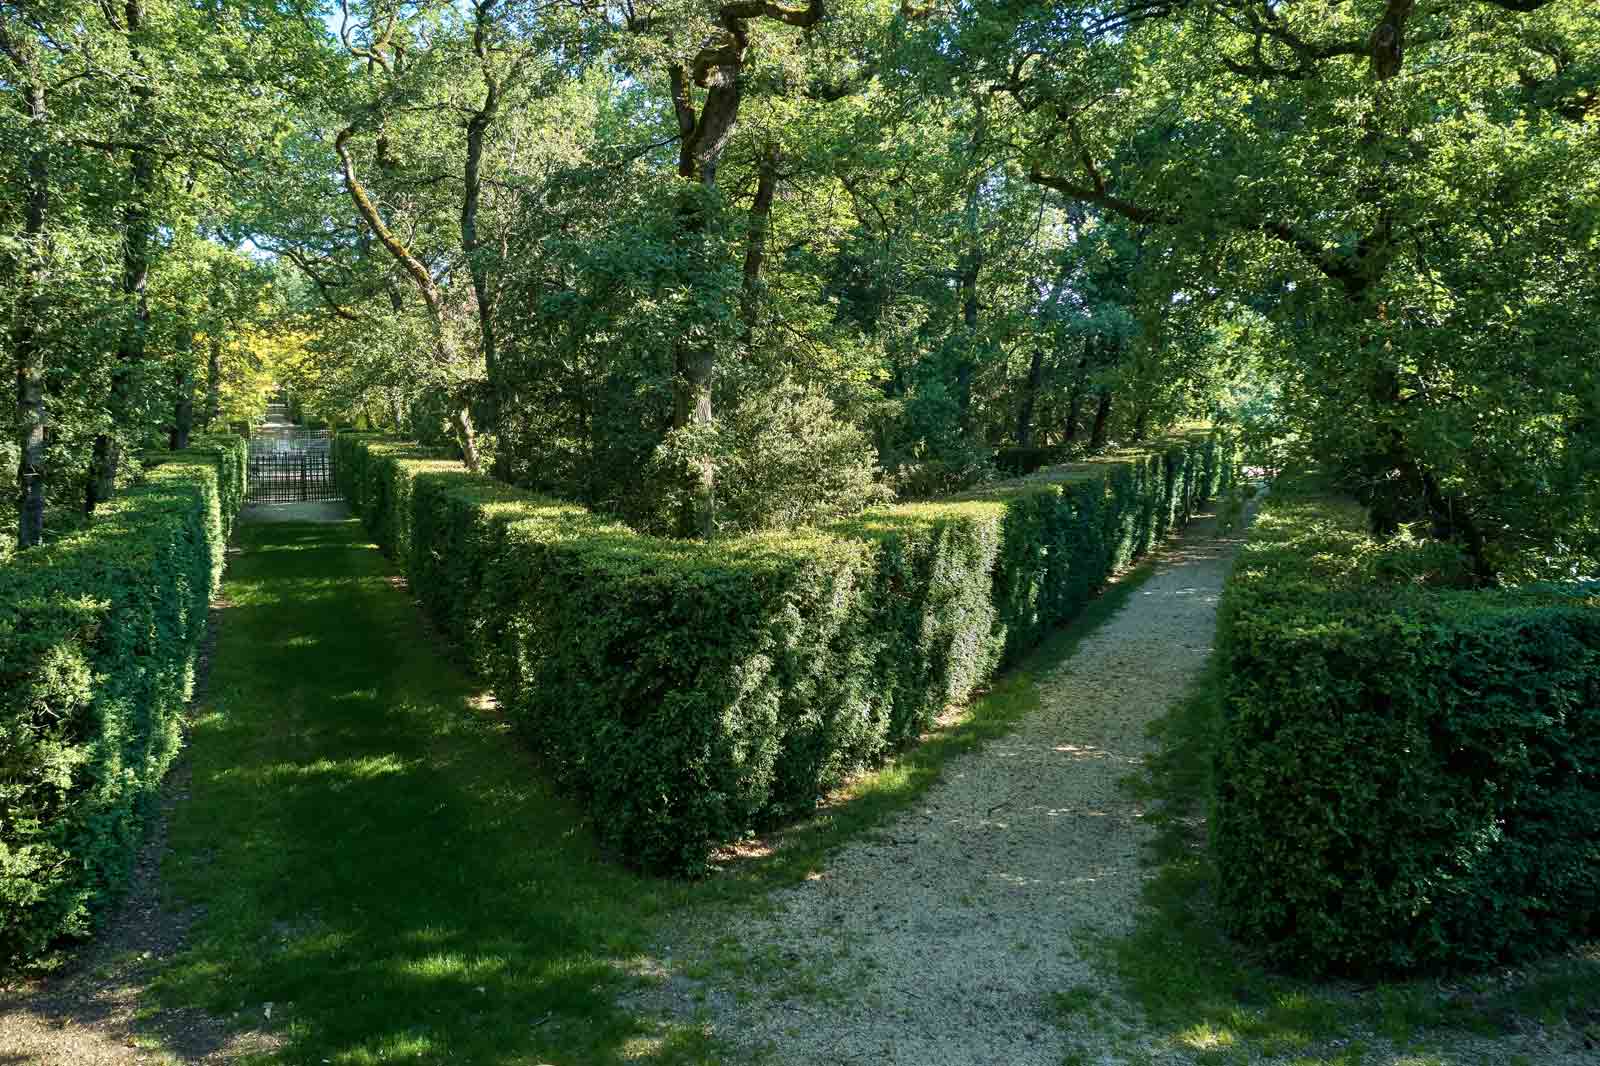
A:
x: 169, y: 488
x: 550, y: 523
x: 1313, y: 548
x: 1050, y: 478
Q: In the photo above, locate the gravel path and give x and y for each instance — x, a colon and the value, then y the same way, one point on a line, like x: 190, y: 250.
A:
x: 942, y: 939
x: 332, y: 511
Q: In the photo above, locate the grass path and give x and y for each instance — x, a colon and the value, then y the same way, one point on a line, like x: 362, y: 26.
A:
x: 383, y: 871
x: 360, y: 865
x: 374, y: 872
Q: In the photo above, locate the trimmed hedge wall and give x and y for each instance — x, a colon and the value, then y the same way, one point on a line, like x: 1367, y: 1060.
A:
x: 1408, y: 775
x: 691, y: 692
x: 98, y: 635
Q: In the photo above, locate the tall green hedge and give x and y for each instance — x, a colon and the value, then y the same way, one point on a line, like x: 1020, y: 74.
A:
x: 98, y: 635
x: 1408, y: 773
x: 691, y: 692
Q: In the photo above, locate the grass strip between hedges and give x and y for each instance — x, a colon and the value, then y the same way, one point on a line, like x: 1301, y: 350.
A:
x: 386, y: 868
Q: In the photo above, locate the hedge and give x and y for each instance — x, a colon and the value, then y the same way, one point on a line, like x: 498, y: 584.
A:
x: 1408, y: 774
x: 691, y: 692
x: 98, y: 636
x: 1015, y: 461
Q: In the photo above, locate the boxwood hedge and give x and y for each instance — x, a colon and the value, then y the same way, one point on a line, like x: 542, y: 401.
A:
x: 1408, y: 773
x: 98, y: 636
x: 689, y: 691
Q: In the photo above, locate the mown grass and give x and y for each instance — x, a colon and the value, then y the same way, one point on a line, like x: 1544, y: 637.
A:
x: 1203, y: 994
x: 383, y: 868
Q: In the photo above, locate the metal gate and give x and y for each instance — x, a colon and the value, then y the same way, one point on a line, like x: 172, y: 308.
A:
x: 289, y: 464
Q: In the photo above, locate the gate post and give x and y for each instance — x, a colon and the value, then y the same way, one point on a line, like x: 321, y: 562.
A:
x: 303, y: 475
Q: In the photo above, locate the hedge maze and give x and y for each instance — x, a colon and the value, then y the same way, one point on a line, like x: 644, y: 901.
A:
x: 692, y: 692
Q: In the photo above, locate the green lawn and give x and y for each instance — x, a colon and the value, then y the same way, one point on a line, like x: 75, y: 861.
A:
x: 380, y: 860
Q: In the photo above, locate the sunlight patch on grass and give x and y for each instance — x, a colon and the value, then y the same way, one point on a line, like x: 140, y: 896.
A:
x: 1206, y: 1037
x: 371, y: 847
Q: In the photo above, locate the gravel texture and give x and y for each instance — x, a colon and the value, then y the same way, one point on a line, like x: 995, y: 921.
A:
x: 943, y: 938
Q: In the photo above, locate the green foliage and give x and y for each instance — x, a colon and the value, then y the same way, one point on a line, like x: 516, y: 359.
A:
x: 98, y: 635
x: 692, y: 691
x: 788, y: 460
x: 1279, y: 172
x: 1406, y: 772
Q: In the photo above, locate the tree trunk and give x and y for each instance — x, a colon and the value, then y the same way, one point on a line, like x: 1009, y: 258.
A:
x: 694, y: 359
x: 1075, y: 397
x: 183, y: 413
x: 472, y: 247
x: 1030, y: 395
x: 444, y: 357
x: 696, y: 365
x: 1074, y: 413
x: 183, y: 407
x: 1102, y: 413
x: 755, y: 249
x: 717, y: 69
x: 1140, y: 422
x: 466, y: 435
x: 136, y: 235
x: 213, y: 380
x: 28, y: 351
x: 971, y: 264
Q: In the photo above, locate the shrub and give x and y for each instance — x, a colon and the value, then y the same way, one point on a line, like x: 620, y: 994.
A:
x: 787, y: 459
x: 1018, y: 462
x: 1408, y: 774
x: 690, y: 691
x: 98, y: 635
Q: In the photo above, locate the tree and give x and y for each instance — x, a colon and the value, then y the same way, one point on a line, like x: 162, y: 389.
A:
x: 1400, y: 174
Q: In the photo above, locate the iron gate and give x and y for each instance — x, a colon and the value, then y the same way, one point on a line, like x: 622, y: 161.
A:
x: 290, y: 464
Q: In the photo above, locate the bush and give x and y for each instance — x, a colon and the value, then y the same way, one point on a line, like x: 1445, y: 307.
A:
x: 1018, y: 462
x: 1408, y: 774
x: 98, y: 635
x: 691, y: 692
x: 787, y: 459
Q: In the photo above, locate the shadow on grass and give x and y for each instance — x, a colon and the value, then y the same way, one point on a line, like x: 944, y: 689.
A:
x: 386, y: 876
x: 1209, y: 997
x: 383, y: 876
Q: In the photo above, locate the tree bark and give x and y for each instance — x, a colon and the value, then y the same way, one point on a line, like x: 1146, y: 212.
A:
x: 694, y: 361
x: 444, y: 357
x: 755, y: 249
x: 136, y: 236
x: 971, y: 264
x: 717, y: 69
x: 1030, y: 396
x: 213, y: 379
x: 1102, y: 414
x: 1075, y: 397
x: 25, y: 342
x: 472, y: 247
x: 183, y: 382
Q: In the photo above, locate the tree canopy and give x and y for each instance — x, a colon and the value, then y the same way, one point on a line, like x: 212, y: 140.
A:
x: 715, y: 267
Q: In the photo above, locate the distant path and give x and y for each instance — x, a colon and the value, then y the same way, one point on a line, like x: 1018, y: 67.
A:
x: 942, y: 939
